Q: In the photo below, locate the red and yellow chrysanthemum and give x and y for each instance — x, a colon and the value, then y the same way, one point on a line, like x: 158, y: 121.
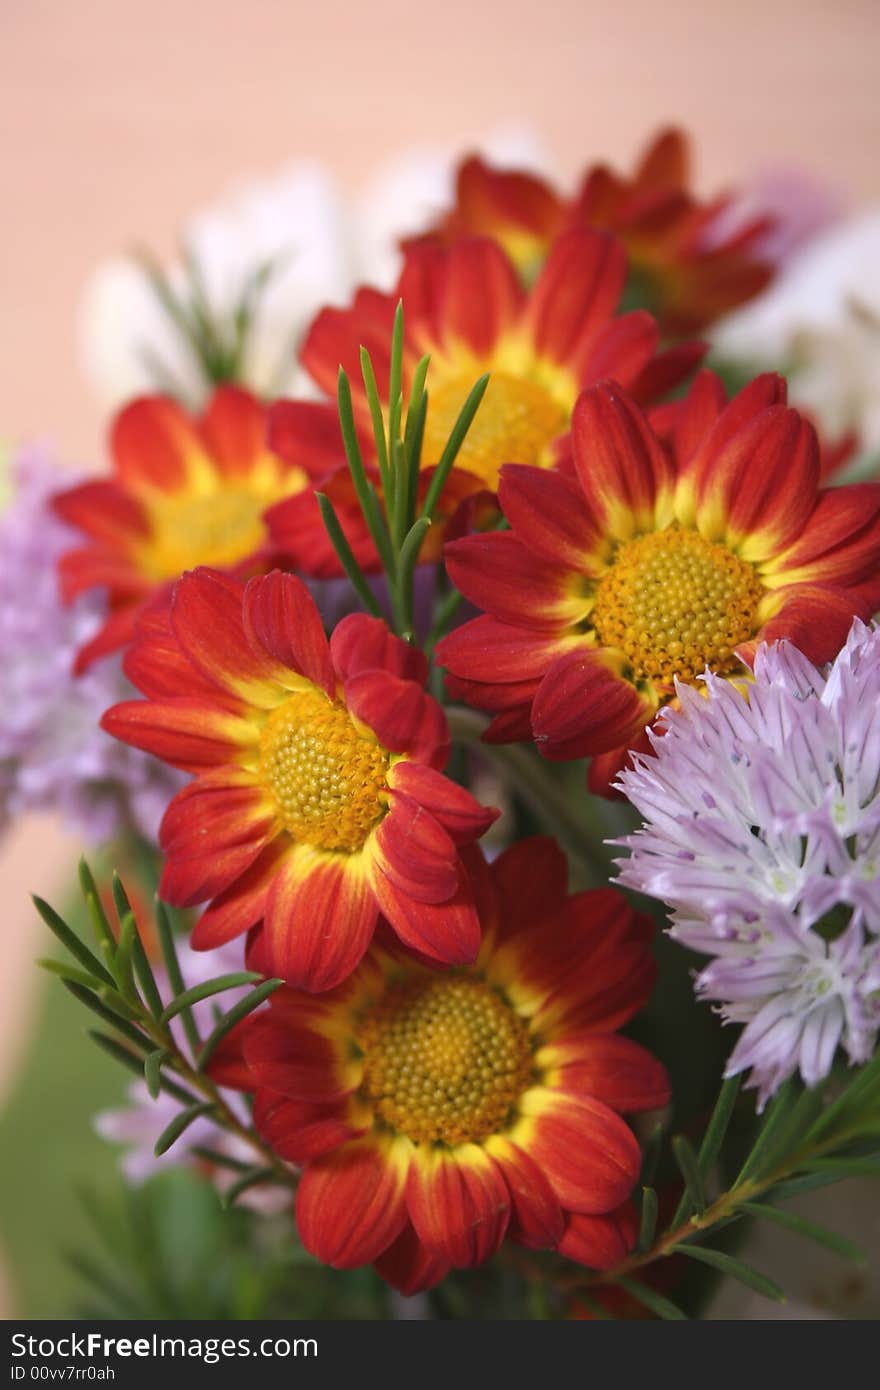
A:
x: 318, y: 798
x: 652, y: 561
x: 184, y: 492
x: 467, y: 308
x: 435, y: 1113
x: 683, y: 268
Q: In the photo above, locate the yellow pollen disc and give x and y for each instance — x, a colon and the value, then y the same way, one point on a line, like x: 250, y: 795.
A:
x: 327, y: 777
x: 516, y: 421
x: 219, y: 529
x: 445, y: 1059
x: 676, y: 603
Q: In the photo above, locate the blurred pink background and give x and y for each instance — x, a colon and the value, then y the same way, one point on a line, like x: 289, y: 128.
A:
x: 117, y: 119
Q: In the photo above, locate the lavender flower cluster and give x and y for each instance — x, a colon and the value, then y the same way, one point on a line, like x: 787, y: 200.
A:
x: 53, y: 755
x: 762, y: 832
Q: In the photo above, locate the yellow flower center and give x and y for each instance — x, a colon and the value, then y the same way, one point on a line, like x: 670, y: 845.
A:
x: 676, y: 603
x: 516, y: 421
x: 445, y: 1059
x: 219, y: 529
x: 327, y: 777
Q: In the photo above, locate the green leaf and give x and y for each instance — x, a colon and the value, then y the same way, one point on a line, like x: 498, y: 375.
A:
x: 377, y: 417
x: 409, y: 557
x: 100, y: 923
x: 346, y: 556
x: 790, y: 1221
x: 846, y: 1167
x: 648, y: 1224
x: 235, y: 1015
x: 716, y: 1130
x: 651, y: 1299
x: 366, y: 495
x: 735, y: 1269
x: 690, y: 1170
x: 119, y: 1053
x: 395, y: 375
x: 777, y: 1114
x: 454, y: 443
x: 123, y: 963
x: 105, y: 1010
x: 206, y: 990
x: 67, y: 972
x: 180, y: 1124
x: 71, y: 941
x: 848, y: 1103
x: 651, y: 1155
x: 172, y: 965
x: 153, y: 1070
x: 252, y: 1178
x: 221, y: 1160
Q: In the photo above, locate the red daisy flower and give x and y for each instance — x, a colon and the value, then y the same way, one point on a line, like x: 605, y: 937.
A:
x: 433, y: 1113
x: 318, y: 798
x: 468, y: 309
x: 185, y: 492
x: 681, y: 267
x: 648, y: 564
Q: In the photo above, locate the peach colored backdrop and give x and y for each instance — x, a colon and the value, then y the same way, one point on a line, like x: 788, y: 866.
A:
x: 118, y: 118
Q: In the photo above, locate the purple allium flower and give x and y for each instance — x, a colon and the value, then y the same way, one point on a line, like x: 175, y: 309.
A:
x: 139, y: 1124
x: 53, y: 755
x: 762, y: 832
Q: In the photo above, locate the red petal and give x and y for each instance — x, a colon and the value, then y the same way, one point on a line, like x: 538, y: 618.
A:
x: 116, y: 632
x: 415, y: 853
x: 241, y: 906
x: 537, y: 1220
x: 206, y: 616
x: 350, y: 1204
x: 210, y: 834
x: 458, y: 1202
x: 500, y: 575
x: 297, y: 1061
x: 601, y: 1242
x: 306, y: 434
x: 188, y: 733
x: 474, y: 296
x: 296, y: 529
x: 410, y: 1266
x: 337, y: 335
x: 817, y: 620
x: 589, y: 1154
x: 549, y: 514
x: 95, y: 567
x: 625, y: 475
x: 233, y: 428
x: 531, y: 881
x: 584, y: 706
x: 448, y: 932
x: 155, y: 445
x: 759, y: 490
x: 320, y: 916
x: 575, y: 295
x: 281, y: 617
x: 158, y: 667
x: 609, y: 1068
x: 104, y: 510
x: 498, y: 653
x: 460, y: 814
x: 299, y: 1131
x: 839, y: 545
x: 360, y: 643
x: 403, y: 716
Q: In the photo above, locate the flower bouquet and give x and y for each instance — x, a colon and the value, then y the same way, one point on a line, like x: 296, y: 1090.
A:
x: 478, y: 697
